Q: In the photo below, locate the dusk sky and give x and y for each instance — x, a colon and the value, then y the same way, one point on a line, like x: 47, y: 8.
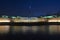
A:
x: 28, y: 7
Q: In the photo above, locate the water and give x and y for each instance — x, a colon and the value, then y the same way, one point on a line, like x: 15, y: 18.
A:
x: 50, y: 29
x: 31, y: 32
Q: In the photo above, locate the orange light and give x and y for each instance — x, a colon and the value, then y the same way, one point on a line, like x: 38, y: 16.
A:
x: 4, y: 20
x: 4, y: 29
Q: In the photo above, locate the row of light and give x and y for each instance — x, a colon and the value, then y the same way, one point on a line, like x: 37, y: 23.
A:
x: 27, y: 19
x: 4, y: 16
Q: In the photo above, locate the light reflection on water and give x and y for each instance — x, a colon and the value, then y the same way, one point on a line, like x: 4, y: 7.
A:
x: 51, y: 29
x: 4, y: 29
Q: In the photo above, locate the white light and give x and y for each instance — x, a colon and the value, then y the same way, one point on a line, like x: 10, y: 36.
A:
x: 52, y: 20
x: 58, y: 20
x: 4, y: 20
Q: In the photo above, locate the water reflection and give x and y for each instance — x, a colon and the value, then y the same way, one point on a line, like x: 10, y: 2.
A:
x: 4, y: 29
x: 51, y: 29
x: 29, y: 29
x: 26, y: 29
x: 35, y: 29
x: 43, y: 29
x: 16, y: 29
x: 54, y: 29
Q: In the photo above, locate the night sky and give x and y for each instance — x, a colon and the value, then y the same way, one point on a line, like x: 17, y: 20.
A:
x: 28, y: 7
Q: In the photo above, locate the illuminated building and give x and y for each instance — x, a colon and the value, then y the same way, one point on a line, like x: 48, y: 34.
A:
x: 26, y: 19
x: 4, y: 20
x: 42, y: 19
x: 53, y: 18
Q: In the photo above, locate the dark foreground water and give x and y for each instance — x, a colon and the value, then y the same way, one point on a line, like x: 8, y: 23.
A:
x: 29, y: 37
x: 42, y: 32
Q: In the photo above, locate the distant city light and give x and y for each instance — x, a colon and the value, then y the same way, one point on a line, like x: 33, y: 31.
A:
x: 4, y: 20
x: 48, y: 17
x: 13, y: 17
x: 4, y: 16
x: 52, y: 20
x: 18, y: 16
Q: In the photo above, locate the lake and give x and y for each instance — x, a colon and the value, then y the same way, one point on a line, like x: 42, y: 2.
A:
x: 30, y: 32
